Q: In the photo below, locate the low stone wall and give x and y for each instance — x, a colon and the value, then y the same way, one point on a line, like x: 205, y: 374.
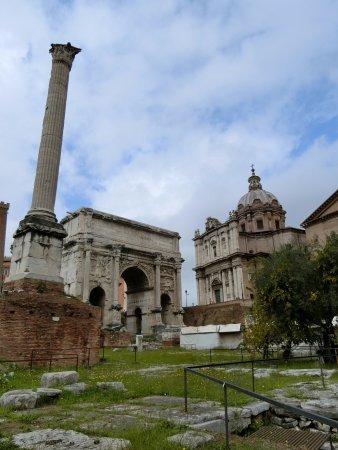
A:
x: 111, y: 338
x: 43, y: 325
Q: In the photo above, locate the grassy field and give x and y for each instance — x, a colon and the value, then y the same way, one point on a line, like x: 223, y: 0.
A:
x: 155, y: 372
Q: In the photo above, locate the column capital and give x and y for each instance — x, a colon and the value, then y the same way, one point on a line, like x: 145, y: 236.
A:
x: 4, y: 206
x: 157, y: 258
x: 116, y: 250
x: 178, y: 263
x: 64, y: 53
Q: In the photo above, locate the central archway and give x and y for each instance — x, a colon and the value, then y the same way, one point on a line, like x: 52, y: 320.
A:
x: 137, y: 298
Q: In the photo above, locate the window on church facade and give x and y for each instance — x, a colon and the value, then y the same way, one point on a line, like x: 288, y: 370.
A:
x: 217, y: 295
x: 215, y: 250
x: 243, y: 227
x: 260, y: 225
x: 277, y: 224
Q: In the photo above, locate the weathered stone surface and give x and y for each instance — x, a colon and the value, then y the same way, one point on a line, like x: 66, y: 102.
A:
x: 276, y: 420
x: 66, y: 439
x: 291, y: 424
x: 321, y: 426
x: 328, y: 408
x: 111, y: 422
x: 19, y: 399
x: 113, y: 385
x: 191, y: 439
x: 258, y: 407
x: 239, y: 424
x: 163, y: 400
x: 215, y: 426
x: 52, y: 379
x: 76, y: 388
x: 47, y: 395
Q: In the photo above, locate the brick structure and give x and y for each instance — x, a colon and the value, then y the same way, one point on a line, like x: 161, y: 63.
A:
x: 3, y: 223
x: 115, y: 338
x: 39, y: 325
x: 216, y: 314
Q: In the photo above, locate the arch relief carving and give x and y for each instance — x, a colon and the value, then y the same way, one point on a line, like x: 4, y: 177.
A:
x: 146, y: 268
x: 167, y: 279
x: 102, y: 268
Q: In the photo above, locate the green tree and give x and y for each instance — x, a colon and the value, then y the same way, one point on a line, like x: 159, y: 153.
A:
x: 325, y: 300
x: 295, y: 296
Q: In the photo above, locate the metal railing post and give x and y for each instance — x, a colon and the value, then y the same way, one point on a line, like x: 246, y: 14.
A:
x: 226, y: 419
x: 135, y: 350
x: 185, y: 391
x: 88, y: 361
x: 321, y: 370
x: 50, y: 361
x: 209, y: 354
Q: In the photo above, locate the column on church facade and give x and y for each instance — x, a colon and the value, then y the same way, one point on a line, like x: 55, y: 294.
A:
x: 234, y: 272
x: 224, y: 285
x: 240, y: 281
x: 231, y: 284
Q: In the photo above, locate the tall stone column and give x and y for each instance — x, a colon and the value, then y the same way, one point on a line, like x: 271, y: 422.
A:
x: 47, y: 170
x: 37, y: 245
x: 3, y: 223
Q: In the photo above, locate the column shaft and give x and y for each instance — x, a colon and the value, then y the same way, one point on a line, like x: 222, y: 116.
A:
x: 47, y: 171
x: 178, y: 302
x: 157, y: 285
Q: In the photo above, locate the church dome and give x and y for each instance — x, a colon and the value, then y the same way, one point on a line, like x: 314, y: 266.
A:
x: 256, y: 193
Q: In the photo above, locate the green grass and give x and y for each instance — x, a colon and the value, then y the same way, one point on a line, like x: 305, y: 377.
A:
x: 71, y: 411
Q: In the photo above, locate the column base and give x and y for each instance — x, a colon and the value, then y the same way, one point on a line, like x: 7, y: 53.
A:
x: 36, y: 250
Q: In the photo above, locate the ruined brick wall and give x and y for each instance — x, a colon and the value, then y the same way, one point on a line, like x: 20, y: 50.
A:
x: 216, y: 314
x: 45, y: 324
x: 115, y: 338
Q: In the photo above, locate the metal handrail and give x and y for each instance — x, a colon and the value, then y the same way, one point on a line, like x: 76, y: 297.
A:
x: 225, y: 384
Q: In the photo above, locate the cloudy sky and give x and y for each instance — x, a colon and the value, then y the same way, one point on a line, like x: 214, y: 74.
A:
x: 169, y: 104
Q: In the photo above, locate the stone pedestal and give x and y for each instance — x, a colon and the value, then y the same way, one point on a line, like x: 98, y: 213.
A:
x: 38, y: 240
x: 36, y: 250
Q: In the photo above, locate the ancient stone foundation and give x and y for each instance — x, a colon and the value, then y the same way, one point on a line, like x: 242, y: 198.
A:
x: 49, y: 326
x: 115, y: 338
x: 216, y: 314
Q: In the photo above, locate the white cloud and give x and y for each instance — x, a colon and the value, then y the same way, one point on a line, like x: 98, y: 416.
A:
x: 170, y: 103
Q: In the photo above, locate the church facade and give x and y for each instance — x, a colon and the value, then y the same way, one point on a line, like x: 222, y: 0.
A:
x: 225, y: 252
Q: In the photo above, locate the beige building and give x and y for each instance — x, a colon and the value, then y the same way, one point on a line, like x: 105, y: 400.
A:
x: 225, y: 251
x: 323, y: 220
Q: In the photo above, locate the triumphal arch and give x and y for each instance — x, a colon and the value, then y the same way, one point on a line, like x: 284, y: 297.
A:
x: 130, y: 269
